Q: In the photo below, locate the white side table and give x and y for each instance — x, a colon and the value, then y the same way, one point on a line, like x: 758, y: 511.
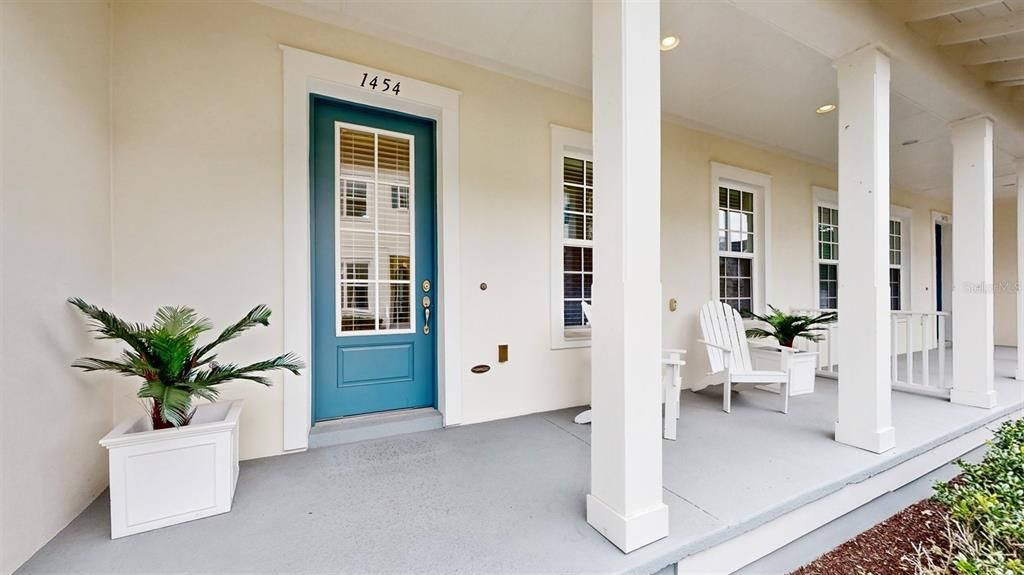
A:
x: 800, y: 364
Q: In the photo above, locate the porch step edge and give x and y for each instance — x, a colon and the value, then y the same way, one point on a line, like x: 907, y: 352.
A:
x: 374, y: 426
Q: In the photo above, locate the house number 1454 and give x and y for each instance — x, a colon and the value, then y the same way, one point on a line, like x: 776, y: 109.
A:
x: 380, y: 84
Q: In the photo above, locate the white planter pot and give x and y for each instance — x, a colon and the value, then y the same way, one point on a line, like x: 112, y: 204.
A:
x: 168, y: 476
x: 800, y: 364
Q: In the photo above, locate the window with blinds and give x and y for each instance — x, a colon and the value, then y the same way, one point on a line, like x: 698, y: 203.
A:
x: 375, y: 232
x: 895, y: 264
x: 736, y: 248
x: 828, y: 257
x: 577, y: 242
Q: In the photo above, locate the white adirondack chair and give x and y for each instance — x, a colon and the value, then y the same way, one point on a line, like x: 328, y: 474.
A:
x: 671, y: 387
x: 729, y: 355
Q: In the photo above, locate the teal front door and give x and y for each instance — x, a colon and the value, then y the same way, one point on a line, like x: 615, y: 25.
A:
x: 373, y: 250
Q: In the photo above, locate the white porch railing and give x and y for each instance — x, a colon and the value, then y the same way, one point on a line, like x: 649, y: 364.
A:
x: 923, y: 333
x: 916, y: 337
x: 827, y: 349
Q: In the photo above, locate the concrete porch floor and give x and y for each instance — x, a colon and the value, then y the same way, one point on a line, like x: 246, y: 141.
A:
x: 508, y: 496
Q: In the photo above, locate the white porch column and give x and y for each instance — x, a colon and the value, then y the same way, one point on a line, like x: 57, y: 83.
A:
x: 625, y: 500
x: 1020, y: 269
x: 865, y: 398
x: 973, y: 326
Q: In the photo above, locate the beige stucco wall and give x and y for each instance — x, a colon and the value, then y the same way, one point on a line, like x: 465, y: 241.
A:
x: 197, y: 200
x: 1005, y: 270
x: 54, y: 243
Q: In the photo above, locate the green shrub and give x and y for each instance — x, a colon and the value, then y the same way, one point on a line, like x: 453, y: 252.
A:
x: 986, y: 505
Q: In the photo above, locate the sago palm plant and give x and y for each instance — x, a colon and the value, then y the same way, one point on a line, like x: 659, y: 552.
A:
x: 786, y: 327
x: 165, y: 355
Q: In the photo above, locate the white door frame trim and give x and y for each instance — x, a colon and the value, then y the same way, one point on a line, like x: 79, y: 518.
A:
x: 937, y: 217
x: 307, y: 73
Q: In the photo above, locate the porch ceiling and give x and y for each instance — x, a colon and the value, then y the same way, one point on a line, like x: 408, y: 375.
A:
x: 734, y: 73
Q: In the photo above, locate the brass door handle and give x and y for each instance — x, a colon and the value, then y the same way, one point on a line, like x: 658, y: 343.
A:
x: 426, y: 314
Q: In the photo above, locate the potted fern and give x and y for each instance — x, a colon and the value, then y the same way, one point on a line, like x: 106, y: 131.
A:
x: 785, y: 328
x: 178, y: 462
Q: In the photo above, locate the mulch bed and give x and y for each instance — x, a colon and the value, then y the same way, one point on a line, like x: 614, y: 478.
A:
x: 883, y: 549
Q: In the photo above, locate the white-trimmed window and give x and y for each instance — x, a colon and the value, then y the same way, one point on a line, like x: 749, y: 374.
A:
x: 572, y: 235
x: 736, y: 247
x: 826, y: 225
x: 900, y: 257
x: 740, y: 200
x: 896, y: 276
x: 826, y: 248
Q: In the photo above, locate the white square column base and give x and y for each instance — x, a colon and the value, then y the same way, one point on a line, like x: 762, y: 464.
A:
x: 875, y: 441
x: 628, y: 533
x: 986, y: 400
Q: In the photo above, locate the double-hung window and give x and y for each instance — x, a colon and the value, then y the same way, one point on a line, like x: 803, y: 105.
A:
x: 740, y: 210
x: 736, y: 247
x: 572, y: 235
x: 895, y: 264
x: 577, y: 241
x: 828, y: 256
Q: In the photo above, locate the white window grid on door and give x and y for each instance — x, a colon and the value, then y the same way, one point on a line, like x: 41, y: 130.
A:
x: 826, y: 223
x: 355, y: 274
x: 354, y: 200
x: 342, y: 203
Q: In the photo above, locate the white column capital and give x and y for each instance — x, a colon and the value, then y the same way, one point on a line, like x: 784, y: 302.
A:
x: 873, y: 49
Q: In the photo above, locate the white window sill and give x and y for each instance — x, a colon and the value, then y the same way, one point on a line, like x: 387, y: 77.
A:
x: 571, y: 338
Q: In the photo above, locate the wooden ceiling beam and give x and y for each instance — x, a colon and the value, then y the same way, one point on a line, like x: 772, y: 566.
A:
x: 1003, y: 72
x: 928, y: 9
x: 1008, y: 83
x: 980, y: 29
x: 987, y: 54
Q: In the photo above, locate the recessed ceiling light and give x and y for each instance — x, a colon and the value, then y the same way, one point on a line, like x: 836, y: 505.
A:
x: 910, y: 142
x: 669, y: 42
x: 825, y: 109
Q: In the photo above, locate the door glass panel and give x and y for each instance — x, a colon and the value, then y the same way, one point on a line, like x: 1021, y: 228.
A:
x: 357, y: 248
x: 374, y: 231
x: 393, y: 159
x: 395, y: 294
x: 393, y: 205
x: 356, y: 153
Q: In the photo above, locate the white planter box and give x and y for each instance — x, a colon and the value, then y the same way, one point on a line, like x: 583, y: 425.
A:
x: 801, y: 365
x: 168, y: 476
